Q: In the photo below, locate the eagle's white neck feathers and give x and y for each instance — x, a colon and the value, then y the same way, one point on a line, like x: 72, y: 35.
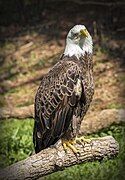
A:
x: 78, y: 49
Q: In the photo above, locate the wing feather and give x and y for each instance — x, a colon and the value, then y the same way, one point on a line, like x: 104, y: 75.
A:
x: 54, y: 104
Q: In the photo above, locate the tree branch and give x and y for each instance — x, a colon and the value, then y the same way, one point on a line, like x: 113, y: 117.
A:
x: 55, y: 159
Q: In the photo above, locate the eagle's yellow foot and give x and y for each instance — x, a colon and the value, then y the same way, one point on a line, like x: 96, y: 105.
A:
x: 82, y: 140
x: 69, y: 144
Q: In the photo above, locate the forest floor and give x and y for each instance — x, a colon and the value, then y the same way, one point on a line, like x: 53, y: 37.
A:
x: 26, y: 58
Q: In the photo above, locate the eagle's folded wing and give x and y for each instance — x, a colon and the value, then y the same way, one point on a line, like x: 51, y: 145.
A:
x: 57, y: 97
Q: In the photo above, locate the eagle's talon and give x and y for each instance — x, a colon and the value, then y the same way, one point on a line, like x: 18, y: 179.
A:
x: 82, y: 140
x: 64, y: 147
x: 70, y: 144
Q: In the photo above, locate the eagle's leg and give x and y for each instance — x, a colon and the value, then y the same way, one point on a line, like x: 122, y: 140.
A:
x: 69, y: 144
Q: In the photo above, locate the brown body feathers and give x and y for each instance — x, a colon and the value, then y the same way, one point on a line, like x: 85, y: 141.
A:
x: 62, y: 100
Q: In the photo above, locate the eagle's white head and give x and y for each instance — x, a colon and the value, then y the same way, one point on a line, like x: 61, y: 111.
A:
x: 78, y: 42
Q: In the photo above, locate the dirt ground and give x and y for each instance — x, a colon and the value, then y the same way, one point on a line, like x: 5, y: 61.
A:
x: 27, y: 53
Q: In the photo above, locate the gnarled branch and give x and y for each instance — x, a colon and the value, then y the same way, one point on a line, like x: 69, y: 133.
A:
x: 55, y: 159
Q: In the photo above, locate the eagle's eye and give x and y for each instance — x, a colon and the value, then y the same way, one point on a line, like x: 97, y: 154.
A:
x: 75, y: 35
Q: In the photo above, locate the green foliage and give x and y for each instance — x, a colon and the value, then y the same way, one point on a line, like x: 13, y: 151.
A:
x: 15, y: 140
x: 16, y: 144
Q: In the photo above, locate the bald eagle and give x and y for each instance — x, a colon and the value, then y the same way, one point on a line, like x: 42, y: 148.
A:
x: 65, y: 93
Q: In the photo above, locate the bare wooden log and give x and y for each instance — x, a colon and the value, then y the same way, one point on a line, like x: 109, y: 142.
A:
x: 17, y: 112
x: 98, y: 120
x: 55, y: 159
x: 93, y: 121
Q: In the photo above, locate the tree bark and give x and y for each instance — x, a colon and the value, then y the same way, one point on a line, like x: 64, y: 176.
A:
x: 55, y: 159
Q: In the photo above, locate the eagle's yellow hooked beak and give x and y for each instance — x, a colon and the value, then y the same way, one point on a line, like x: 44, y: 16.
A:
x: 84, y: 32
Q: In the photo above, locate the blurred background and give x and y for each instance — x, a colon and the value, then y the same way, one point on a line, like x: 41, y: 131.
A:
x: 32, y: 38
